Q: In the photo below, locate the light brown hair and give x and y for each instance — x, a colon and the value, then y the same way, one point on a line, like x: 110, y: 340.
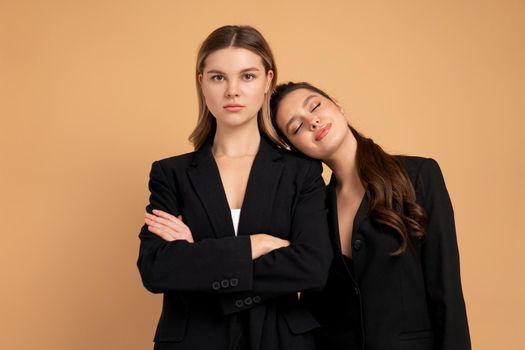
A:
x: 245, y: 37
x: 391, y: 193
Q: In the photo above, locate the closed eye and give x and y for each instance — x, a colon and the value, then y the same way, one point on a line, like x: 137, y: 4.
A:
x: 297, y: 130
x: 316, y: 106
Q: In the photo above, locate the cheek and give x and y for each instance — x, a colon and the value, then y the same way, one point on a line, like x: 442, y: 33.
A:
x: 309, y: 147
x: 255, y: 90
x: 303, y: 144
x: 211, y: 92
x: 254, y: 98
x: 338, y: 118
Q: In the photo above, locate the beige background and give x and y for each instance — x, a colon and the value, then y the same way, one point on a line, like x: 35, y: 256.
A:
x: 91, y: 92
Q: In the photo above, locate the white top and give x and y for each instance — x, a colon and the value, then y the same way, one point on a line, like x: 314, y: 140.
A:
x: 236, y: 214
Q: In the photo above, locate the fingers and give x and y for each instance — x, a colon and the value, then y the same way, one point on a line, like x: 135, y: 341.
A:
x: 262, y: 243
x: 278, y: 242
x: 168, y: 216
x: 165, y: 233
x: 159, y: 231
x: 167, y: 220
x: 167, y: 226
x: 281, y: 244
x: 172, y: 221
x: 257, y: 247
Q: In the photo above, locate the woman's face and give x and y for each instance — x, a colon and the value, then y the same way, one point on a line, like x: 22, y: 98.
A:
x: 313, y: 123
x: 234, y: 83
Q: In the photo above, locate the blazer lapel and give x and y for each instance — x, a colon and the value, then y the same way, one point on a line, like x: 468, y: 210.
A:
x: 360, y: 215
x: 260, y: 192
x: 333, y: 221
x: 205, y: 178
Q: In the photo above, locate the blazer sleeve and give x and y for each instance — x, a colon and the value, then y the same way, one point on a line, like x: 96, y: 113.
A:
x: 301, y: 266
x: 440, y: 260
x: 211, y: 265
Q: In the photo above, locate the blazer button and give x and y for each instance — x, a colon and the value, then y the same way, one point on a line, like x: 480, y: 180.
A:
x: 256, y: 299
x: 225, y: 283
x: 216, y: 285
x: 357, y: 244
x: 248, y: 301
x: 234, y: 282
x: 239, y: 303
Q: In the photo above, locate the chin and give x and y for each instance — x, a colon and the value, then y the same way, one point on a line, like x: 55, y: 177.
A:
x: 236, y: 122
x: 325, y: 151
x: 315, y: 153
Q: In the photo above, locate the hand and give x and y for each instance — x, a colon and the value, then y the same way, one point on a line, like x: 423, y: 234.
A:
x: 168, y: 227
x: 263, y: 244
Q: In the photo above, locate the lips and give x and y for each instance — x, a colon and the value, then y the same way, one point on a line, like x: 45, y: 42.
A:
x: 233, y: 107
x: 323, y: 131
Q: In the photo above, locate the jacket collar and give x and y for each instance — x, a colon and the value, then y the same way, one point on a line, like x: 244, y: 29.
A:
x: 331, y: 203
x: 260, y: 191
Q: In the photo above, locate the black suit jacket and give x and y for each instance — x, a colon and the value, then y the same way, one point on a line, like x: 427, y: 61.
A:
x: 206, y: 282
x: 413, y: 301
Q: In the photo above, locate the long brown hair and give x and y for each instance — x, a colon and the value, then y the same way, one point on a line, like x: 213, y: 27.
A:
x: 245, y: 37
x: 392, y: 198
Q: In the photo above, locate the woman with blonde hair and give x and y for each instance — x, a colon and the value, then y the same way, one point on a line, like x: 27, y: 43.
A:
x: 236, y: 228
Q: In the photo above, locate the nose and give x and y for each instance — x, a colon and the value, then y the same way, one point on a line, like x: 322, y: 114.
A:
x: 313, y: 123
x: 232, y: 89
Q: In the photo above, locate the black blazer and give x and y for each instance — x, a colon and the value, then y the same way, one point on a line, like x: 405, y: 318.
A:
x: 413, y: 301
x: 207, y: 282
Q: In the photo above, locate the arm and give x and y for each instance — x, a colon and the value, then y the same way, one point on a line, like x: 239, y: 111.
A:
x: 171, y: 228
x: 440, y: 258
x: 184, y: 266
x: 301, y: 266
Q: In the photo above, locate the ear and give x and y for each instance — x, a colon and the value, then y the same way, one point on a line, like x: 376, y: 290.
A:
x: 269, y: 78
x: 199, y: 79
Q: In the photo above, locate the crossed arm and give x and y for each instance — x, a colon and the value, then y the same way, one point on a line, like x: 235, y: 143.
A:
x: 172, y: 228
x: 258, y: 267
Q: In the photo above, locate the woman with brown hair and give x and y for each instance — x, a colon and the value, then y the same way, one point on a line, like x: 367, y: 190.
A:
x: 395, y: 280
x: 236, y: 228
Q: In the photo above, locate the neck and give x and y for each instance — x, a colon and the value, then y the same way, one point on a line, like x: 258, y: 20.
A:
x: 237, y: 141
x: 342, y: 162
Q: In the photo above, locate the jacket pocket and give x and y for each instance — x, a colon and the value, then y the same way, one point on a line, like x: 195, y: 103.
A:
x: 300, y: 320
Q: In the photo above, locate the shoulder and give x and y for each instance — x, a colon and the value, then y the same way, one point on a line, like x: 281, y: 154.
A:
x: 417, y: 166
x: 176, y: 162
x: 425, y: 174
x: 299, y: 162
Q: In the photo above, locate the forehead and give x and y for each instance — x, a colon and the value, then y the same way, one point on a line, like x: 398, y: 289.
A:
x: 232, y: 59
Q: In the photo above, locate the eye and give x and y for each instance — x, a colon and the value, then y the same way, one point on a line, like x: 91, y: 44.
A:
x: 298, y: 128
x: 217, y: 77
x: 249, y: 76
x: 316, y: 106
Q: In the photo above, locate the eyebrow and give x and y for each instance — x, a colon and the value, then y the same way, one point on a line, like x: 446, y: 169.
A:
x: 216, y: 71
x: 308, y: 99
x: 304, y: 105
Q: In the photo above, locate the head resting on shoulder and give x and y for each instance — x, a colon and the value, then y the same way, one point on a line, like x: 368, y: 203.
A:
x: 308, y: 120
